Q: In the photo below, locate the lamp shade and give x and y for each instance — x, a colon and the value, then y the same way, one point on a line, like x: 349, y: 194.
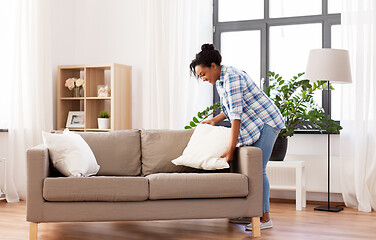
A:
x: 329, y: 65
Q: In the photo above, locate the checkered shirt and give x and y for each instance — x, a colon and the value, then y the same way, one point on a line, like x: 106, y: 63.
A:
x: 242, y: 99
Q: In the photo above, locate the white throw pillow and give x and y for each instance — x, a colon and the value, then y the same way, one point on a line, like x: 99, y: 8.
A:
x: 70, y: 154
x: 205, y: 148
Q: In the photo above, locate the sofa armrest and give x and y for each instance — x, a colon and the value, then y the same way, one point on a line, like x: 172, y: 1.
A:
x: 248, y: 161
x: 37, y: 170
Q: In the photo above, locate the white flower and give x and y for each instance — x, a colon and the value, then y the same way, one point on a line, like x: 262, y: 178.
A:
x: 79, y: 82
x: 69, y: 83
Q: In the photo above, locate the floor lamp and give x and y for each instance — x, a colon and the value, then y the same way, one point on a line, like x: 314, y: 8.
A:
x: 331, y: 65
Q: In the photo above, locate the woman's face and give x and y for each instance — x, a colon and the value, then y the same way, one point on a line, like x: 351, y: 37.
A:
x: 209, y: 74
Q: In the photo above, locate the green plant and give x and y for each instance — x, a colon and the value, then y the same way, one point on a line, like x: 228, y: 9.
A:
x: 103, y: 114
x: 294, y: 98
x: 201, y: 116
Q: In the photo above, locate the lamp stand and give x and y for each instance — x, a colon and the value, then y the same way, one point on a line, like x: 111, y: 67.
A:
x: 328, y: 208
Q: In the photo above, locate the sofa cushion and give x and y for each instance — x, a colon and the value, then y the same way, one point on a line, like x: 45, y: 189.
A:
x: 70, y: 154
x: 102, y: 189
x: 118, y: 152
x: 159, y: 147
x: 197, y: 185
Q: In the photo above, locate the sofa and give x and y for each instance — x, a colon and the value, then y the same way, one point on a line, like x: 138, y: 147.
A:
x: 137, y: 181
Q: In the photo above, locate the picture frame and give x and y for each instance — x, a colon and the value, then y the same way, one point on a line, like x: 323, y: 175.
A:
x: 76, y: 119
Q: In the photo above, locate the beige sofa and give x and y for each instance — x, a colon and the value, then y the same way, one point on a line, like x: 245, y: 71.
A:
x: 137, y: 181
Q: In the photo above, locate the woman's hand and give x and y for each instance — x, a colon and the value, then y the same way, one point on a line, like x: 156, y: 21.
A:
x: 220, y: 117
x: 229, y: 154
x: 210, y: 121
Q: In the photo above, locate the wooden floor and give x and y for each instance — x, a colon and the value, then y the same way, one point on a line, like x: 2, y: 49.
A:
x: 288, y: 224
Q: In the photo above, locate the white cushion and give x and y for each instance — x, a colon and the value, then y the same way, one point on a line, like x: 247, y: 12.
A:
x: 205, y: 148
x: 70, y: 154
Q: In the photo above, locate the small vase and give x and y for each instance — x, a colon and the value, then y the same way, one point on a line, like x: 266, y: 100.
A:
x: 103, y: 123
x: 76, y: 92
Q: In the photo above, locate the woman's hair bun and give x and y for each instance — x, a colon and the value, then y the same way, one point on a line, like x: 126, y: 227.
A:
x: 206, y: 58
x: 207, y: 47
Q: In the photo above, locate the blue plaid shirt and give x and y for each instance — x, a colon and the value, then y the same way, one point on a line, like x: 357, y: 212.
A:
x: 242, y: 99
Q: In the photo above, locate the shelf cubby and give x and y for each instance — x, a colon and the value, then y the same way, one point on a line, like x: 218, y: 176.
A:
x: 65, y: 107
x: 98, y: 76
x: 93, y: 108
x: 64, y: 74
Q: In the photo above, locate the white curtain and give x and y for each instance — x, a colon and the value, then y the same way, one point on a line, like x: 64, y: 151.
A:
x: 175, y: 31
x: 30, y: 88
x: 358, y: 137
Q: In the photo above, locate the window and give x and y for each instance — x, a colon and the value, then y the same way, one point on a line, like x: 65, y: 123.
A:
x: 242, y: 49
x: 245, y: 10
x: 286, y: 31
x: 294, y: 8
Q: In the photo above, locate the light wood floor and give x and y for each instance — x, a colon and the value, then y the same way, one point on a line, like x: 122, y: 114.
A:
x: 288, y: 224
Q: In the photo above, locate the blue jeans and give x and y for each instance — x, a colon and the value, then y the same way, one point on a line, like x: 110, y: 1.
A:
x: 266, y: 143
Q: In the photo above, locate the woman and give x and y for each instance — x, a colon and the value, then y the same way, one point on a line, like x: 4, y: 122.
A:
x: 255, y: 120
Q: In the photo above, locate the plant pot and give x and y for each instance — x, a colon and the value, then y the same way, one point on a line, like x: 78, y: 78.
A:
x: 103, y: 123
x: 279, y: 149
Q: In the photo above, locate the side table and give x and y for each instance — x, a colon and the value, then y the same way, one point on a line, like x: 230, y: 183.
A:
x: 299, y: 187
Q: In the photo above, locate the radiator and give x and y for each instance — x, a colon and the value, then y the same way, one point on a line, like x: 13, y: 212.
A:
x: 316, y: 173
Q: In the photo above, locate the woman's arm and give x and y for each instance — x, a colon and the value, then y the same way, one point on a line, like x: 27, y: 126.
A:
x: 235, y: 128
x: 220, y: 117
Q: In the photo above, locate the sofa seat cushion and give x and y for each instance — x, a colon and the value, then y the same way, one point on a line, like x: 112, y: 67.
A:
x: 96, y: 189
x: 197, y: 185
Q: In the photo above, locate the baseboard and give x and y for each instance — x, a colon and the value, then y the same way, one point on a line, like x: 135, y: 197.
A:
x: 282, y: 200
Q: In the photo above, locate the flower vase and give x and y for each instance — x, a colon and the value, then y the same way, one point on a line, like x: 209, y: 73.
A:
x: 76, y: 92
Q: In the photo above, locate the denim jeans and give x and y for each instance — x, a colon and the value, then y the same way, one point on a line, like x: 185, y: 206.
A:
x: 266, y: 143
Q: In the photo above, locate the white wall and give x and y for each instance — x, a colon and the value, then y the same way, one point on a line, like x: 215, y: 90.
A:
x: 97, y: 31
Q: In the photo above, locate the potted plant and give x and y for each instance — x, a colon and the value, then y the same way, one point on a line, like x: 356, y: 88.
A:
x: 103, y: 120
x: 294, y: 98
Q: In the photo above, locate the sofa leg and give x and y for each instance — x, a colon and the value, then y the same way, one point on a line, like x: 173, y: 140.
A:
x: 256, y: 233
x: 33, y: 231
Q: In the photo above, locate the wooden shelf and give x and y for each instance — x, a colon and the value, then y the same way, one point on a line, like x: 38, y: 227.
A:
x: 88, y: 98
x: 119, y: 105
x: 72, y: 98
x: 70, y: 67
x: 98, y: 98
x: 98, y: 130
